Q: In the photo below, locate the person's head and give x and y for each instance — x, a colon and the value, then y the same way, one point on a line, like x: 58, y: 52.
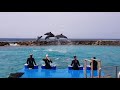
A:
x: 75, y: 57
x: 31, y: 55
x: 94, y: 57
x: 46, y: 55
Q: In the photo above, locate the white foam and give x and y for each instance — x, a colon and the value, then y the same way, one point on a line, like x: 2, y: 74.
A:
x: 61, y: 51
x: 35, y: 50
x: 12, y: 44
x: 26, y: 64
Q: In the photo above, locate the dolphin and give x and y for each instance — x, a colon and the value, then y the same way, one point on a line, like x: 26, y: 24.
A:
x: 49, y: 34
x: 61, y: 36
x: 38, y: 38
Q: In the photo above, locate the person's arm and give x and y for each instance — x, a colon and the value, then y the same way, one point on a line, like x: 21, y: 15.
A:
x: 72, y: 63
x: 44, y: 59
x: 50, y: 60
x: 27, y: 60
x: 78, y: 63
x: 90, y: 63
x: 34, y: 61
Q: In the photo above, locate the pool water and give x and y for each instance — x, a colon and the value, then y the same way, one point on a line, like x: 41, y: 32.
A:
x: 13, y: 58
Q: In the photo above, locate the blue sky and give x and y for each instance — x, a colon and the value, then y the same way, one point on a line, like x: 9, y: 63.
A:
x: 105, y: 25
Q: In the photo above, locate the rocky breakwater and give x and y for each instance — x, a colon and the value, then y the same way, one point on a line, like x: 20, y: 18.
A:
x: 4, y: 44
x: 26, y: 43
x: 88, y: 42
x: 34, y: 43
x: 106, y: 42
x: 97, y: 42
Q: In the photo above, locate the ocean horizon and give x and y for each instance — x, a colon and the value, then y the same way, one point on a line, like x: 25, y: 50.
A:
x: 33, y: 39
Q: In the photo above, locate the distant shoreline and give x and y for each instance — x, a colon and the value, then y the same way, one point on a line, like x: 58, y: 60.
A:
x: 61, y: 42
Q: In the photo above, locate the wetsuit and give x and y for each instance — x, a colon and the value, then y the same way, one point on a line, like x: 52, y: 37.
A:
x: 75, y: 64
x: 94, y: 65
x: 31, y: 62
x: 47, y: 63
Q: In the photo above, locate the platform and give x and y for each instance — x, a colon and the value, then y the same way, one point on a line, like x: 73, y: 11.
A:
x: 57, y: 73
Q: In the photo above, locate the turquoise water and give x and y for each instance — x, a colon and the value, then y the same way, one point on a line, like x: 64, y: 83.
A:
x: 13, y: 58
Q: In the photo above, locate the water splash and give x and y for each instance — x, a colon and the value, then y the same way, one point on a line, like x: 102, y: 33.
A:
x: 35, y: 50
x: 58, y: 42
x: 53, y: 50
x: 57, y: 58
x: 69, y: 42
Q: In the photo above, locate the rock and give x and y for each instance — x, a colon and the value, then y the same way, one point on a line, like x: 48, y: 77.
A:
x: 4, y: 43
x: 15, y: 75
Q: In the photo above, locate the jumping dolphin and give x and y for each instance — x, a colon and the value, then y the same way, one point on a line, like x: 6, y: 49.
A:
x: 38, y: 38
x: 60, y: 36
x: 49, y: 34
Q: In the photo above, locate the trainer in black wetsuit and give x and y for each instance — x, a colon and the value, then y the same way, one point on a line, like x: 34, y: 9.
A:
x: 75, y: 63
x: 31, y: 62
x: 95, y: 63
x: 47, y: 62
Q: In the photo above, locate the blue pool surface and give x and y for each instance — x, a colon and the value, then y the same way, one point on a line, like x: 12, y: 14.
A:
x: 58, y: 73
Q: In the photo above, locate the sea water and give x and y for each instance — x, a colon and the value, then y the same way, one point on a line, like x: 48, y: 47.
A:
x: 13, y: 58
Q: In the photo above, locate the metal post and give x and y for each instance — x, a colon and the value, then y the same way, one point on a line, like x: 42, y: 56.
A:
x: 85, y: 72
x: 116, y: 71
x: 92, y: 69
x: 99, y: 69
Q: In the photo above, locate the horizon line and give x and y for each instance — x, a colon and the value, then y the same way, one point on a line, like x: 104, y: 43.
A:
x: 68, y: 38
